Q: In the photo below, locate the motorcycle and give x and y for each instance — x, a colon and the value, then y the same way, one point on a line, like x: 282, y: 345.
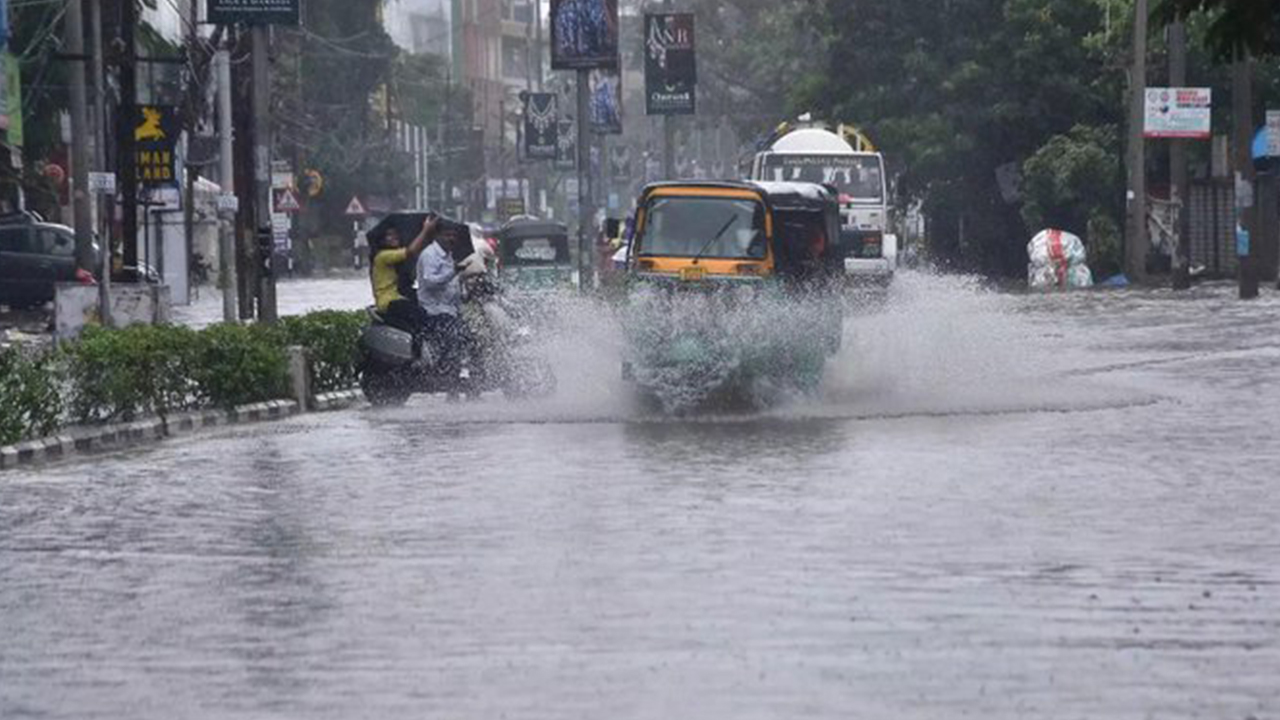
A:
x: 397, y: 363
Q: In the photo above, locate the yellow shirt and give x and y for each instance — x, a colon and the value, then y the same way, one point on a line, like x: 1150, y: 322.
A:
x: 386, y: 282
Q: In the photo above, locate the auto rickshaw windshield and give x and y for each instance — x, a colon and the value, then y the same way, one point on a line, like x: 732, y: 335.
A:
x: 703, y: 227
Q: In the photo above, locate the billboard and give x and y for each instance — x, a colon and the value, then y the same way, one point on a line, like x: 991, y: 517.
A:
x: 584, y: 34
x: 541, y: 126
x: 670, y: 66
x: 255, y: 12
x: 155, y: 133
x: 606, y: 102
x: 1179, y: 113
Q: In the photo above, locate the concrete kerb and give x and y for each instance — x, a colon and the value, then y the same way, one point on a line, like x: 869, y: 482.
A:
x: 87, y: 440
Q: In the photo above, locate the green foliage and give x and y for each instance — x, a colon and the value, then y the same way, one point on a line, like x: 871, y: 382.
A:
x: 1071, y: 178
x: 1251, y: 26
x: 331, y: 339
x: 238, y: 364
x: 30, y: 403
x: 123, y: 374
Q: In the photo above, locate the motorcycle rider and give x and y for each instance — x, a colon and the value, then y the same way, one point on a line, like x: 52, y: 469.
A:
x: 384, y: 272
x: 440, y: 300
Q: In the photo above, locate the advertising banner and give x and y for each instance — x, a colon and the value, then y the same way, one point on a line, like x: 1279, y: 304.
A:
x: 1179, y: 113
x: 606, y: 102
x: 541, y: 126
x: 155, y: 131
x: 584, y: 34
x: 567, y: 146
x: 670, y: 65
x: 255, y: 12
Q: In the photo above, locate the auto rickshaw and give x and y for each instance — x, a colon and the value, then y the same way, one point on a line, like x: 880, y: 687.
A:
x: 534, y: 256
x: 732, y: 290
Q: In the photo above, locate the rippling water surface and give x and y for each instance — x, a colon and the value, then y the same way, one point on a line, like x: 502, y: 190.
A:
x: 1000, y: 507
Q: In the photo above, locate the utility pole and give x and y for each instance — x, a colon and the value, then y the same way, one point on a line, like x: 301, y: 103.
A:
x: 668, y: 130
x: 262, y: 172
x: 1136, y: 234
x: 74, y: 38
x: 106, y: 203
x: 1245, y: 176
x: 1178, y: 163
x: 126, y: 152
x: 227, y: 178
x: 585, y: 214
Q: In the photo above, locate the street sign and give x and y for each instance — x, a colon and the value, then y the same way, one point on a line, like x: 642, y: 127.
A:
x: 1180, y: 113
x: 356, y: 208
x: 228, y: 203
x: 102, y: 183
x: 285, y: 200
x: 1273, y: 133
x: 255, y: 12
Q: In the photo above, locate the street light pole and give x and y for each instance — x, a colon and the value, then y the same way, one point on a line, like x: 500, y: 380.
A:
x: 1178, y: 163
x: 262, y: 172
x: 74, y: 32
x: 585, y: 214
x: 1245, y: 176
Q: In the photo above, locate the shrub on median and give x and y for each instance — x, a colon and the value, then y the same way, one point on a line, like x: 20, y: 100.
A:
x: 30, y: 403
x: 123, y: 374
x: 331, y: 338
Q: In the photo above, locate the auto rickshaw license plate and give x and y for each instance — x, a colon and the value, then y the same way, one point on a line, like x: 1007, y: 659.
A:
x: 693, y: 274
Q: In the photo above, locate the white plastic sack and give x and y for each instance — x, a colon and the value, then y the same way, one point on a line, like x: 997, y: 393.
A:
x: 1053, y: 247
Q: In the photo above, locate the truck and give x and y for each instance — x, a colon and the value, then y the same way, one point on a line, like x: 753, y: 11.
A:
x: 843, y: 157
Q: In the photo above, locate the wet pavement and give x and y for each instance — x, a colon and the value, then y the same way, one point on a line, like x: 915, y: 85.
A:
x: 1001, y: 507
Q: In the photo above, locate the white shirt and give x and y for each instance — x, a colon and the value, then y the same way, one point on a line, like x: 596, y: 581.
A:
x: 439, y: 291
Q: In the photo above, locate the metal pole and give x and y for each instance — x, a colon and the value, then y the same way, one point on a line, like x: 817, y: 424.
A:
x: 106, y: 203
x: 1178, y: 163
x: 227, y: 178
x: 267, y: 312
x: 585, y: 215
x: 1245, y: 176
x: 126, y: 148
x: 1136, y: 235
x: 74, y: 38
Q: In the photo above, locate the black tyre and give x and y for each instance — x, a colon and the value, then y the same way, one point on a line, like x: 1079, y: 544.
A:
x: 383, y: 389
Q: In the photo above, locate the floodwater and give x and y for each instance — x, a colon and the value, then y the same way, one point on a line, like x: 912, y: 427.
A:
x: 1000, y: 507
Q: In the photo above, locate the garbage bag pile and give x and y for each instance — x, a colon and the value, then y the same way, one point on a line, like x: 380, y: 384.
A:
x: 1058, y: 261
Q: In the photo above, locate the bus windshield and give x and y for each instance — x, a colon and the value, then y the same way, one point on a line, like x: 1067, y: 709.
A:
x: 860, y: 177
x: 704, y: 227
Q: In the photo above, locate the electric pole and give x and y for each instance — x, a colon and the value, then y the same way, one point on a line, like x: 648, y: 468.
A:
x: 1247, y: 237
x: 105, y: 203
x: 262, y: 173
x: 1136, y: 232
x: 126, y: 153
x: 585, y: 214
x: 227, y: 178
x: 74, y: 38
x: 668, y: 132
x: 1178, y: 163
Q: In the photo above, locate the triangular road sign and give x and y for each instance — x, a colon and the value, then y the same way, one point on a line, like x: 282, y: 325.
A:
x: 355, y: 207
x: 286, y: 200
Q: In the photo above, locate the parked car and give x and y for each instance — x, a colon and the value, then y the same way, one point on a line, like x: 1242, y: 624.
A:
x: 34, y: 255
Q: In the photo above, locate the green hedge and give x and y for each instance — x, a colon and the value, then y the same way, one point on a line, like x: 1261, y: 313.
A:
x: 30, y: 401
x: 120, y: 375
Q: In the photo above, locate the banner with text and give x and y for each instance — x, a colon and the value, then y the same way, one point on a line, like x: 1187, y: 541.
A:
x: 606, y: 102
x: 255, y: 12
x: 1179, y: 113
x: 155, y: 133
x: 670, y: 65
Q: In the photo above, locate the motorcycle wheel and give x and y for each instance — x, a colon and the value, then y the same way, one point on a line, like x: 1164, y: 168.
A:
x: 383, y: 389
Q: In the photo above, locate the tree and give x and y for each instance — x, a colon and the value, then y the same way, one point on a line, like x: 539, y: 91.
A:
x: 1250, y: 25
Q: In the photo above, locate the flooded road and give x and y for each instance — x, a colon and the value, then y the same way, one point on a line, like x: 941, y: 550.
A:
x: 1002, y: 507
